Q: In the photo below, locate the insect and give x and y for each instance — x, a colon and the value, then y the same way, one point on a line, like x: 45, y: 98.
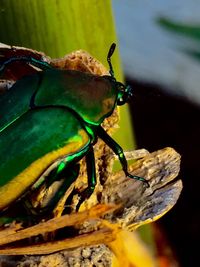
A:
x: 55, y: 115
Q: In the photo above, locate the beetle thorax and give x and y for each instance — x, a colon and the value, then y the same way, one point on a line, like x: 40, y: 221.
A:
x: 92, y: 97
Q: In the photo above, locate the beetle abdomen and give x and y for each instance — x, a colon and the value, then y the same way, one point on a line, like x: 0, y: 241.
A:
x: 32, y: 143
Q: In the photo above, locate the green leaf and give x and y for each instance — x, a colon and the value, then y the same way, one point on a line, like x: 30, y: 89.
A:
x: 191, y: 31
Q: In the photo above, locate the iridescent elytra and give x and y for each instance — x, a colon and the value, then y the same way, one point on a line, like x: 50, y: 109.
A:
x: 54, y: 114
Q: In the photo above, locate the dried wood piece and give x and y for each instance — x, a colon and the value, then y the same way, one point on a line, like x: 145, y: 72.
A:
x: 140, y: 204
x: 104, y: 235
x: 14, y: 234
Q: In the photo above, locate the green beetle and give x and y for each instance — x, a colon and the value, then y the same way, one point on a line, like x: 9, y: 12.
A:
x: 56, y: 114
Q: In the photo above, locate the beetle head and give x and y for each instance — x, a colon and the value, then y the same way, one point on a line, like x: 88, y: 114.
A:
x: 124, y: 91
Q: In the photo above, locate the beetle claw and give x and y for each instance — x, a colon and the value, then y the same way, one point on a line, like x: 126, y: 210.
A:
x: 138, y: 178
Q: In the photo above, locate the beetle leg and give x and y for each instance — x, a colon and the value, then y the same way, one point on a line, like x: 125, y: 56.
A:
x: 35, y: 62
x: 117, y: 149
x: 91, y: 173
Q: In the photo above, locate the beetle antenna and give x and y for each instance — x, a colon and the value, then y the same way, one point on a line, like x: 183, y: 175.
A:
x: 110, y: 53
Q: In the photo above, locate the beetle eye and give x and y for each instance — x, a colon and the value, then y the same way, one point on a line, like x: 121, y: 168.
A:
x: 124, y: 93
x: 121, y: 102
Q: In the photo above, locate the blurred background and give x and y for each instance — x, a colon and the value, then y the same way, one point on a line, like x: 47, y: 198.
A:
x: 159, y: 43
x: 160, y: 50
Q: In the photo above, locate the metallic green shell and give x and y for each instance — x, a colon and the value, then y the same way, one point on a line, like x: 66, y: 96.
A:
x: 43, y: 118
x: 92, y: 97
x: 32, y: 143
x: 16, y: 101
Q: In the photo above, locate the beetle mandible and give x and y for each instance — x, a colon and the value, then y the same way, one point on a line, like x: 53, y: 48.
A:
x: 55, y: 114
